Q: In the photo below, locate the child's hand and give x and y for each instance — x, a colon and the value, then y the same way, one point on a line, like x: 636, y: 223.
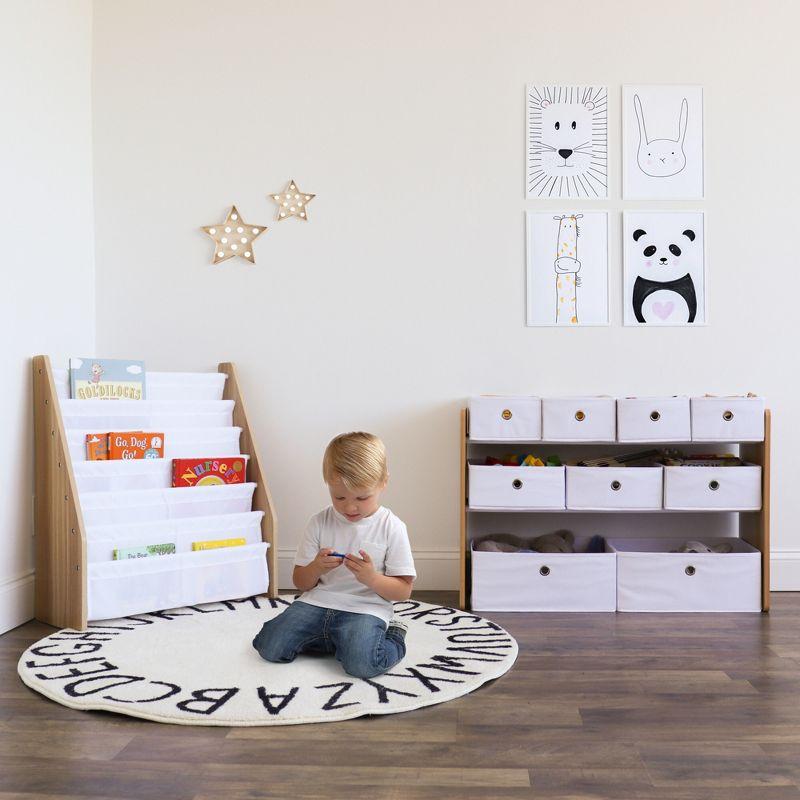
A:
x: 325, y: 562
x: 363, y: 569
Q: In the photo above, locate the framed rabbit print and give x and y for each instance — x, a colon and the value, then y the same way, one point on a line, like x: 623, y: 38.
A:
x: 662, y: 142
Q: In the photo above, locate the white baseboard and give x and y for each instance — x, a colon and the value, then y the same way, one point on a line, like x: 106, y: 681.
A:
x: 16, y: 601
x: 436, y: 569
x: 785, y: 571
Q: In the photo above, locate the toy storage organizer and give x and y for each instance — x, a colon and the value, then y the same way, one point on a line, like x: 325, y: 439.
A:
x: 642, y: 512
x: 85, y: 509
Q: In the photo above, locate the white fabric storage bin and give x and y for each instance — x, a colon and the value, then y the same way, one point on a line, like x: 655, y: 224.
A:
x: 717, y: 488
x: 728, y: 419
x: 171, y: 386
x: 544, y: 581
x: 499, y: 487
x: 101, y: 540
x: 579, y: 419
x: 653, y: 419
x: 610, y: 488
x: 139, y: 415
x: 138, y: 585
x: 107, y: 508
x: 505, y: 419
x: 650, y: 578
x: 178, y: 442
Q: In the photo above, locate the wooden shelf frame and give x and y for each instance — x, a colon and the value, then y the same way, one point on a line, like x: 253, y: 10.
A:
x: 754, y: 526
x: 61, y: 580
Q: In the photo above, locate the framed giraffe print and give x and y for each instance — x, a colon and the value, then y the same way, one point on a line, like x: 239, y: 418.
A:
x: 567, y: 268
x: 566, y: 142
x: 665, y: 268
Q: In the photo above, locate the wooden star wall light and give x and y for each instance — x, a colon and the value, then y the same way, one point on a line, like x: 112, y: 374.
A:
x: 234, y: 237
x: 292, y: 202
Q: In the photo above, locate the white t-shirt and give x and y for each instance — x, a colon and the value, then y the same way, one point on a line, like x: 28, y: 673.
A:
x: 381, y: 534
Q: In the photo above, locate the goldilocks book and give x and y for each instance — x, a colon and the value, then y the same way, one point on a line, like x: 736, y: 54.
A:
x: 106, y: 379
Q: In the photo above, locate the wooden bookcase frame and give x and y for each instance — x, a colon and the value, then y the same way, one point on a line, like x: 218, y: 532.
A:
x: 60, y: 534
x: 753, y: 525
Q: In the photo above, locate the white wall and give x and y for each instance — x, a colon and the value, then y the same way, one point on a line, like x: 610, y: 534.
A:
x: 405, y: 291
x: 47, y: 302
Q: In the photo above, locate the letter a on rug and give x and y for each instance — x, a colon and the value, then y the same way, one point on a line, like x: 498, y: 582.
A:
x: 197, y: 666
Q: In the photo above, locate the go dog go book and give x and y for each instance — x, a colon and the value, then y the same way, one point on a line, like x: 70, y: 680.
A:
x: 208, y: 471
x: 106, y: 379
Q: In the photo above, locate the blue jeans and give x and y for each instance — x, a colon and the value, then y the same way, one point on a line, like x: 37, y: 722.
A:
x: 360, y: 642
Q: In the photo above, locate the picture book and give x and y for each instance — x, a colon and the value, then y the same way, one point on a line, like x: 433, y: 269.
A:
x: 208, y: 471
x: 97, y: 447
x: 129, y: 445
x: 213, y: 544
x: 106, y: 379
x: 143, y: 551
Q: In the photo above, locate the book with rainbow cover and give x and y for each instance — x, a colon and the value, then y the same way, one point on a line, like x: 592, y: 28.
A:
x: 208, y: 471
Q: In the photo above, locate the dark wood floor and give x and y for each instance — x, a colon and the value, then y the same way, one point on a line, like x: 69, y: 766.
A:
x: 628, y: 706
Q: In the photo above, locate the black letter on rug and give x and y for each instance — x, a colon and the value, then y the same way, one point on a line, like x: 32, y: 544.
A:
x: 330, y: 704
x: 383, y: 691
x: 203, y: 696
x: 266, y: 699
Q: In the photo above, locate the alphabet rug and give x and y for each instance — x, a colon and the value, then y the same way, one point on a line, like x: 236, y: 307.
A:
x: 197, y: 666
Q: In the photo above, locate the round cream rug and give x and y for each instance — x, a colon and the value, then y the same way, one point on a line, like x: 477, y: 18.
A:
x: 197, y: 666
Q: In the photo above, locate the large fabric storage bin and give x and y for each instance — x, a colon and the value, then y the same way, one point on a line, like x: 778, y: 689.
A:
x: 145, y: 415
x: 135, y: 586
x: 178, y: 442
x: 172, y: 386
x: 653, y: 419
x: 144, y: 505
x: 544, y: 581
x: 101, y: 540
x: 505, y: 419
x: 716, y: 488
x: 728, y: 419
x: 614, y: 488
x: 650, y: 578
x: 498, y: 487
x: 579, y: 419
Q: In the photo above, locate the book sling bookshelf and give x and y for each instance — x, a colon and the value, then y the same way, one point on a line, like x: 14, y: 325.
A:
x: 63, y: 543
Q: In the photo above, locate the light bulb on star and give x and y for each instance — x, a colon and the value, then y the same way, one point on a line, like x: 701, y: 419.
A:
x: 248, y: 233
x: 292, y: 202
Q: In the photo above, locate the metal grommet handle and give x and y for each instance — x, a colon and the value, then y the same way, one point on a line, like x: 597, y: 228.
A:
x: 616, y: 486
x: 544, y: 571
x: 655, y: 416
x: 506, y: 414
x: 727, y: 415
x: 713, y: 485
x: 690, y: 570
x: 580, y: 416
x: 516, y: 483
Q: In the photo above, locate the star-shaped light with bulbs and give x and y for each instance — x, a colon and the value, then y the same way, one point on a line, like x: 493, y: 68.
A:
x: 292, y: 202
x: 234, y: 237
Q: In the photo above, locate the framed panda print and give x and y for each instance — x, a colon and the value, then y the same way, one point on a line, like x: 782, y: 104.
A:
x: 567, y: 142
x: 567, y: 274
x: 665, y: 268
x: 662, y: 142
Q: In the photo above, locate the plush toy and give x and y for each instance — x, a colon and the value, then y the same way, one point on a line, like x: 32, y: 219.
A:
x: 597, y: 544
x: 558, y: 542
x: 501, y: 543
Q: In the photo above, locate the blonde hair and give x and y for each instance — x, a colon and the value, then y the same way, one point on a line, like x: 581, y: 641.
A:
x: 357, y: 458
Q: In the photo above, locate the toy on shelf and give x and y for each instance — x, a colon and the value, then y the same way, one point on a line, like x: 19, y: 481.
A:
x: 529, y: 460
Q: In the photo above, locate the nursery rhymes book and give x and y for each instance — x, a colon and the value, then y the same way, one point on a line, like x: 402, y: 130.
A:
x: 208, y: 471
x: 106, y: 379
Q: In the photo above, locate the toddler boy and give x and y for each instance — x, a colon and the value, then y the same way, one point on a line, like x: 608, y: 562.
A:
x: 352, y: 562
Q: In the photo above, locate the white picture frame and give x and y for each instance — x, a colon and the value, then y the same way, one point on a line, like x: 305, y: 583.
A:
x: 567, y: 260
x: 663, y: 142
x: 665, y: 274
x: 566, y: 142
